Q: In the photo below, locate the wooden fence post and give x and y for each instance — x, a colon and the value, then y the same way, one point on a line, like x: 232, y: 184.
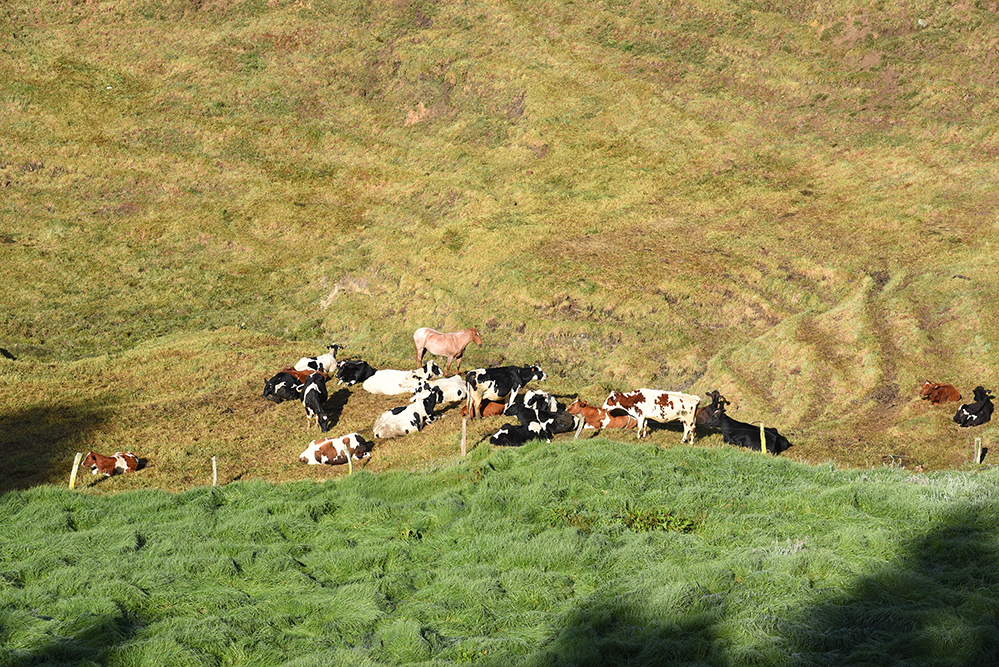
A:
x: 763, y: 439
x: 464, y: 430
x: 76, y: 469
x: 978, y: 451
x: 215, y: 472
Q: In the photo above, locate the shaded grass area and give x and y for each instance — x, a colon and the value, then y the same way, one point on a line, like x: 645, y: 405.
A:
x: 513, y: 557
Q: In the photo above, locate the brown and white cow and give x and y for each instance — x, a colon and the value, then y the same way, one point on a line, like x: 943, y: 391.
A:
x: 657, y: 405
x: 334, y: 451
x: 124, y: 461
x: 937, y: 393
x: 595, y: 417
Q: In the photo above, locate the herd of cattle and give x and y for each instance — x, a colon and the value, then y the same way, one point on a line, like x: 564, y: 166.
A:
x: 497, y: 391
x: 488, y: 392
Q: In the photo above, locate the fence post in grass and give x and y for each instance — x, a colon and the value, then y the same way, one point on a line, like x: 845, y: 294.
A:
x: 978, y: 451
x: 763, y: 439
x: 350, y: 462
x: 464, y: 430
x: 215, y: 472
x: 76, y: 468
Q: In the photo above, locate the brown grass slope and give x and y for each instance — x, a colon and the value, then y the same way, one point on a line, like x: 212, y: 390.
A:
x: 791, y: 203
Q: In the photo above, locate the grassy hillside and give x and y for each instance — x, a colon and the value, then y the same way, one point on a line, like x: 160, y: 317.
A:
x: 791, y: 203
x: 562, y: 554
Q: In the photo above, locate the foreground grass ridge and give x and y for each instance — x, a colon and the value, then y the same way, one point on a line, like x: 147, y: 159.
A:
x: 521, y: 557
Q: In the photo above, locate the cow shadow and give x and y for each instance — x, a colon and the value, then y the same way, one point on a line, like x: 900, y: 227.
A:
x: 935, y: 603
x: 38, y: 443
x: 335, y: 404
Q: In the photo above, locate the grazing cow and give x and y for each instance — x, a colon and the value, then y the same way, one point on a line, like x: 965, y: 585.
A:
x: 598, y: 418
x: 450, y: 345
x: 497, y: 384
x: 409, y: 418
x: 392, y: 382
x: 488, y: 408
x: 746, y: 435
x: 335, y: 451
x: 314, y: 397
x: 515, y: 435
x: 657, y: 405
x: 718, y: 402
x: 454, y: 388
x: 937, y: 393
x: 324, y: 362
x: 977, y: 413
x: 353, y: 371
x: 283, y: 387
x: 124, y: 461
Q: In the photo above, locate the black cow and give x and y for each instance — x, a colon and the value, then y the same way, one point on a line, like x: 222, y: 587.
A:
x: 314, y: 399
x: 497, y: 384
x: 746, y: 435
x: 283, y: 387
x: 515, y: 435
x: 353, y: 371
x: 977, y: 413
x: 718, y: 402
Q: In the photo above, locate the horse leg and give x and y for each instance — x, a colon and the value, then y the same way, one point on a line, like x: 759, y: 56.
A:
x: 419, y: 355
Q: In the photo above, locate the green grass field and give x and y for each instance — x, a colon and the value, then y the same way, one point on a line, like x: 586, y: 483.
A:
x: 792, y: 203
x: 562, y: 554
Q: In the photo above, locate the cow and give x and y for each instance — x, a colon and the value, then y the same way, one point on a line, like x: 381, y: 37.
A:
x: 454, y: 388
x: 747, y: 435
x: 108, y: 465
x: 314, y: 397
x: 450, y: 345
x: 657, y: 405
x: 353, y: 371
x: 324, y: 362
x: 977, y: 413
x: 937, y: 393
x: 283, y: 387
x: 718, y: 402
x: 335, y: 451
x: 488, y: 408
x: 410, y: 418
x: 392, y: 382
x: 598, y: 418
x: 497, y: 384
x: 515, y: 435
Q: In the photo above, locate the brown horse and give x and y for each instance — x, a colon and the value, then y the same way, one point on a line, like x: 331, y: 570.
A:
x: 450, y: 345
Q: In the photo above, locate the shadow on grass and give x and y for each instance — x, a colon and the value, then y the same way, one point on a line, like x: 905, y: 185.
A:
x: 96, y: 635
x: 936, y: 605
x: 34, y: 440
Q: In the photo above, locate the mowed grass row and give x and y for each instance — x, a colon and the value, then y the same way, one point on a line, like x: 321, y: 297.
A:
x: 568, y: 553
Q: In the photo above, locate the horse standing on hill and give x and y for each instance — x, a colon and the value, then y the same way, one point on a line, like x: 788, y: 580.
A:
x: 450, y: 345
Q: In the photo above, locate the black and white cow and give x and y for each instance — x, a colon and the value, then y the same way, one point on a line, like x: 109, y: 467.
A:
x: 515, y: 435
x: 407, y: 419
x: 977, y: 413
x: 498, y: 384
x: 746, y: 435
x: 314, y: 397
x: 283, y: 387
x: 324, y: 362
x: 353, y: 371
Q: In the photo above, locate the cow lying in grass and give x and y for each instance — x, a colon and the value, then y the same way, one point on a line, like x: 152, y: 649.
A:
x: 392, y: 382
x: 335, y: 451
x: 108, y: 465
x: 747, y: 435
x: 977, y: 413
x: 410, y: 418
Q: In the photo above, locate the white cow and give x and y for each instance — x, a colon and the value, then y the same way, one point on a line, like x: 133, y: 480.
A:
x: 454, y: 388
x: 392, y: 382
